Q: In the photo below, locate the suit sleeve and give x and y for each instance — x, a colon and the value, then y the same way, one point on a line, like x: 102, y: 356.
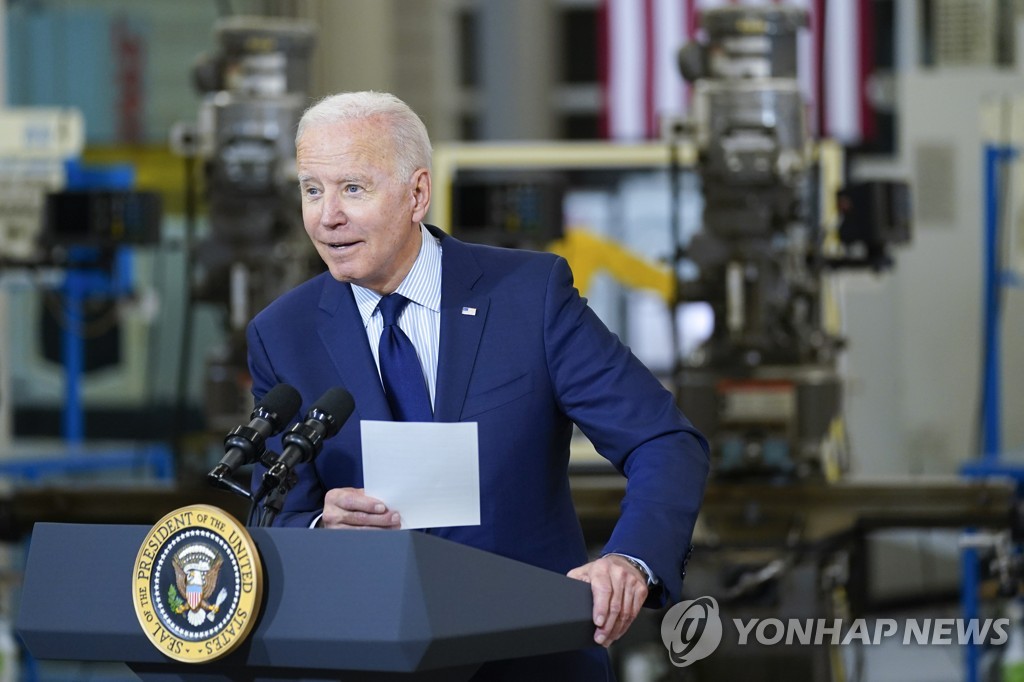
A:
x: 305, y: 500
x: 633, y: 421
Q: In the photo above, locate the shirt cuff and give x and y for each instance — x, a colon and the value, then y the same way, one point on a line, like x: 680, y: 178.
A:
x: 316, y: 520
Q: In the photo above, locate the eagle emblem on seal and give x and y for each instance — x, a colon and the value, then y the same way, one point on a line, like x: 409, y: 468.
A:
x: 196, y: 567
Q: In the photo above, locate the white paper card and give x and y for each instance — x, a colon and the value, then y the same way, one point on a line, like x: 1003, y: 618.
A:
x: 428, y: 472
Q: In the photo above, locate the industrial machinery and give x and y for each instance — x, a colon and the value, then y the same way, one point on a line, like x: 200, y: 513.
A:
x: 255, y: 89
x: 68, y: 237
x: 764, y: 387
x: 35, y: 143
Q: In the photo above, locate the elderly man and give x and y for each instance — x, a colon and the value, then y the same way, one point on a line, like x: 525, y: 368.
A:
x: 420, y: 326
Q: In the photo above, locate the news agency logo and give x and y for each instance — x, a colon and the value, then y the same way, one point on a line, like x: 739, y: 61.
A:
x: 691, y: 630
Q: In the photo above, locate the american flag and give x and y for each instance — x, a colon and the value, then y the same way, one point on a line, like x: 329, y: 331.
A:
x: 642, y: 84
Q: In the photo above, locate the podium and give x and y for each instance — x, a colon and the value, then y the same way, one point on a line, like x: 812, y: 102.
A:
x: 337, y: 605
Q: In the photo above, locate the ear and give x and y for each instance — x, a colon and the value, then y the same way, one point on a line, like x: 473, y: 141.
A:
x: 420, y: 194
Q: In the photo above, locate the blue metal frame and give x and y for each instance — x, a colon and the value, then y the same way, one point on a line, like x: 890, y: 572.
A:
x: 83, y: 280
x: 971, y: 605
x: 989, y: 464
x: 156, y: 457
x: 996, y: 156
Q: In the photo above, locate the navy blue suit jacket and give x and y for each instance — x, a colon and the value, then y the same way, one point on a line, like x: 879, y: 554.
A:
x: 532, y: 361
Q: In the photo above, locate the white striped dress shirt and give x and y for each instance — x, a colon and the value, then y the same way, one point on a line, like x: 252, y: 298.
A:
x: 421, y: 318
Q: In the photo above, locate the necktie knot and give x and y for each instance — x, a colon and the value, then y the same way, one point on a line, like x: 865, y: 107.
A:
x: 391, y: 306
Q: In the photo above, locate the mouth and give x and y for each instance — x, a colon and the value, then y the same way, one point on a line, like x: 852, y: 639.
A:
x: 340, y: 246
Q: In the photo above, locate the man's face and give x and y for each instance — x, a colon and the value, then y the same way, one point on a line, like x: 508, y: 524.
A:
x: 361, y: 216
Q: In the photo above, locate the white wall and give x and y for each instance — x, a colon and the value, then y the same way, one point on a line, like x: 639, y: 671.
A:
x: 915, y: 334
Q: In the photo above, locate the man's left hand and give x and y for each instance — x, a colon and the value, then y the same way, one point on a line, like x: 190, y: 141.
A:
x: 619, y: 589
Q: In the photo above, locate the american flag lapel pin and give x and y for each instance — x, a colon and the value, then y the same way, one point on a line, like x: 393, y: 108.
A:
x: 469, y: 311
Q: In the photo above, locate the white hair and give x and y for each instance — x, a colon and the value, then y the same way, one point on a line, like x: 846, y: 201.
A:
x: 408, y: 134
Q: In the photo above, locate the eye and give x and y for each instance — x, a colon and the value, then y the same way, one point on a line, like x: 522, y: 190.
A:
x: 352, y: 189
x: 311, y: 191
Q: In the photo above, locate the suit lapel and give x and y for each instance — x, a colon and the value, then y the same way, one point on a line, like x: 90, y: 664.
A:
x: 341, y: 329
x: 463, y: 314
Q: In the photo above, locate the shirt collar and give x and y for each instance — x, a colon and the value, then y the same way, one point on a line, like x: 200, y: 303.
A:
x: 422, y: 285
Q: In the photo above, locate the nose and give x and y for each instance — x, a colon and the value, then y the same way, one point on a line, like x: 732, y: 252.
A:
x: 332, y: 213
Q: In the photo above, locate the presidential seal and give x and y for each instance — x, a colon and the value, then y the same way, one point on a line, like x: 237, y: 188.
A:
x: 197, y: 584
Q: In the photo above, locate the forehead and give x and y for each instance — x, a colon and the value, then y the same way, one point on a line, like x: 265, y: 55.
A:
x: 361, y: 144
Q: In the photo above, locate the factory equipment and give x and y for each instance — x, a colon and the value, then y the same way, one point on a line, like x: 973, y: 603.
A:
x: 764, y: 387
x: 68, y: 233
x: 254, y: 89
x: 35, y: 143
x: 89, y: 230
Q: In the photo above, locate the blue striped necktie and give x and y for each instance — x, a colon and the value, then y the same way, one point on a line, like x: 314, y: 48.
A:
x: 400, y: 369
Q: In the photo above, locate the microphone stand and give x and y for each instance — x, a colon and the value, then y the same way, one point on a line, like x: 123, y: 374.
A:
x: 275, y: 501
x: 272, y: 496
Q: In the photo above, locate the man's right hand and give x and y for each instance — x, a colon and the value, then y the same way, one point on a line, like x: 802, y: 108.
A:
x: 351, y: 508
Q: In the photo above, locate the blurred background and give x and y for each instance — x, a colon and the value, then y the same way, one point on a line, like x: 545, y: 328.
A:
x: 805, y: 217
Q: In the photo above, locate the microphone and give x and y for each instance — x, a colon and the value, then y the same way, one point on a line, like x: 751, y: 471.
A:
x: 305, y: 441
x: 246, y: 444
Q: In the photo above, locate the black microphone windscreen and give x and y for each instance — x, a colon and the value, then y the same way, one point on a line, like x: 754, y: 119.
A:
x: 338, y: 403
x: 283, y: 401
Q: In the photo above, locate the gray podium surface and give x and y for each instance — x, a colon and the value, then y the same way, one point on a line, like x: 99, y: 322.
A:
x: 397, y: 605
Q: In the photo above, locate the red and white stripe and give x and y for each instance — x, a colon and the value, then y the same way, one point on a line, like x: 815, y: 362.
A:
x: 642, y: 84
